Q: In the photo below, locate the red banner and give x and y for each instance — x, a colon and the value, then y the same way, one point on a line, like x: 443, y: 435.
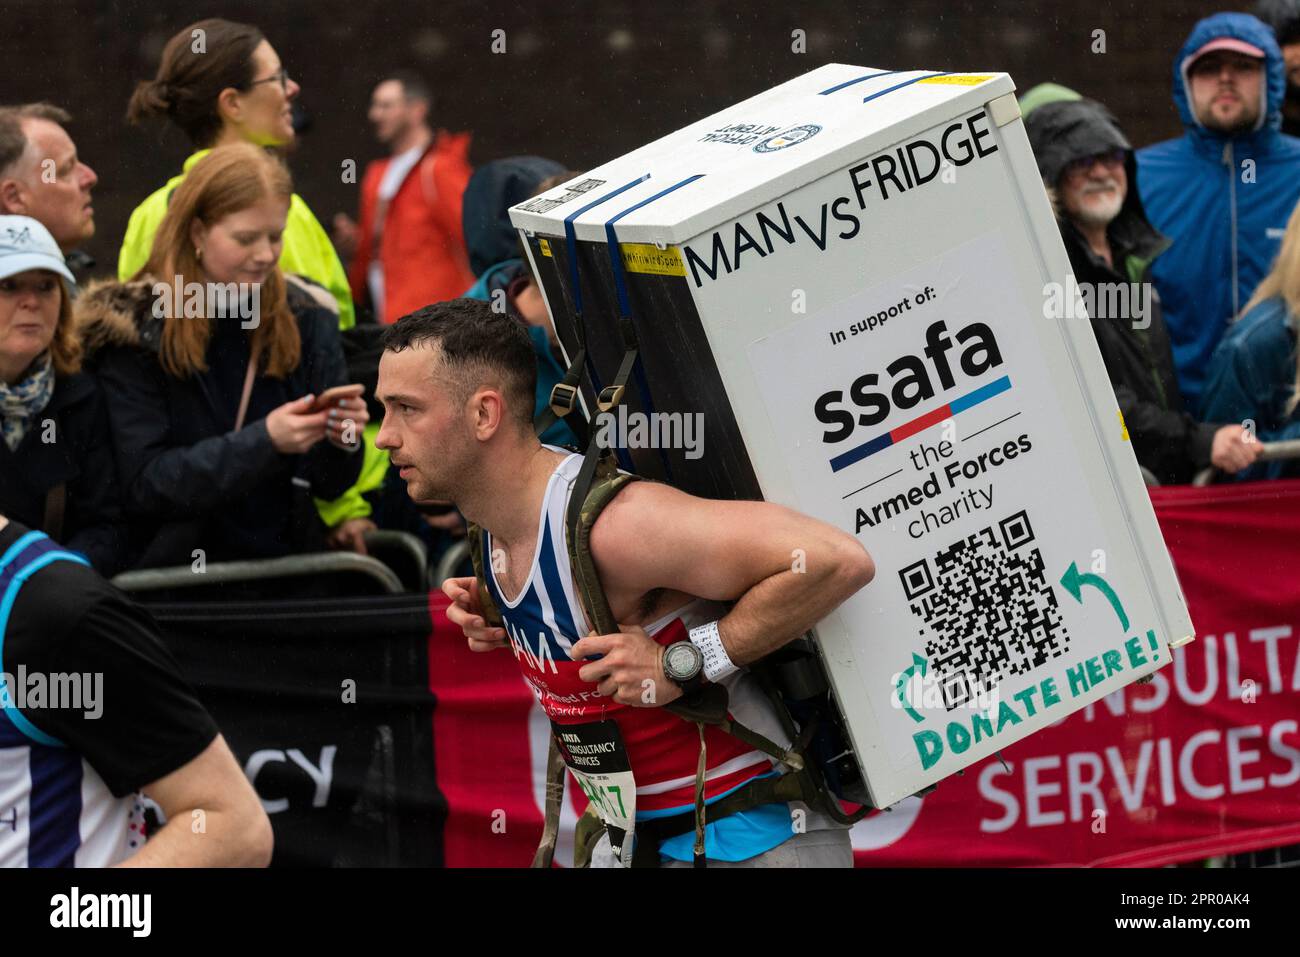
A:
x: 490, y: 740
x: 1203, y: 760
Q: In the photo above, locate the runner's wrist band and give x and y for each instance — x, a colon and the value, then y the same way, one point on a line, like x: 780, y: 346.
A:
x: 717, y: 663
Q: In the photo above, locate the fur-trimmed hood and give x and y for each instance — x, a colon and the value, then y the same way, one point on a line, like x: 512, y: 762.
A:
x: 111, y: 313
x: 189, y: 477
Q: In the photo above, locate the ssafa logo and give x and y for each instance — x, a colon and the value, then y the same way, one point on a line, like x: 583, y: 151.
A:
x: 791, y: 137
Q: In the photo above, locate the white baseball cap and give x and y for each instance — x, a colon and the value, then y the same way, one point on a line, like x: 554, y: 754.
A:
x: 26, y: 244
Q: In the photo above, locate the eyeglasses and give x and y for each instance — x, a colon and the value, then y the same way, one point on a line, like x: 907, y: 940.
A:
x: 1113, y: 159
x: 282, y: 77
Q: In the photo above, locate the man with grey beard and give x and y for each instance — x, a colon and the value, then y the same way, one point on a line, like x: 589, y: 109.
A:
x: 1087, y: 166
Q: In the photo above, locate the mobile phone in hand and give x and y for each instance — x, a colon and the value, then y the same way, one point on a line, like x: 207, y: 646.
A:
x: 330, y: 397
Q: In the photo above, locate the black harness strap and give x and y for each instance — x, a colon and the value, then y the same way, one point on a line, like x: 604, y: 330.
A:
x: 564, y: 401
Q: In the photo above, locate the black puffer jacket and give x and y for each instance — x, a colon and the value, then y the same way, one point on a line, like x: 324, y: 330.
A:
x: 68, y: 445
x: 189, y: 481
x: 1135, y: 347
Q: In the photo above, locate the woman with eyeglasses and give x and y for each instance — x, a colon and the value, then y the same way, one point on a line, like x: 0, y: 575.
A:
x: 222, y: 83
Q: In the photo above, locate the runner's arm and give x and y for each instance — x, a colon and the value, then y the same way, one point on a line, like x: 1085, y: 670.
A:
x: 145, y: 730
x: 214, y: 818
x: 784, y: 571
x: 466, y: 612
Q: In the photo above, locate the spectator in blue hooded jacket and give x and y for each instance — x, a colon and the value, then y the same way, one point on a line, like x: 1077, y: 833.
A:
x: 1223, y: 190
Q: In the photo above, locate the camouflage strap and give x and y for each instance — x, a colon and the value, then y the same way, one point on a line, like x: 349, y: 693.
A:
x: 586, y: 834
x: 709, y: 706
x: 555, y: 770
x: 803, y: 781
x: 605, y: 482
x: 781, y: 789
x: 554, y: 762
x: 701, y: 769
x: 491, y: 615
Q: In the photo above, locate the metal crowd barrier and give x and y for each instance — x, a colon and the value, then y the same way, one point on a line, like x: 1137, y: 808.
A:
x: 451, y: 560
x: 405, y: 543
x: 291, y: 566
x: 1272, y: 452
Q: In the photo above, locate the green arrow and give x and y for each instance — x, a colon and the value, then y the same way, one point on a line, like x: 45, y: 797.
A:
x: 1073, y: 580
x: 904, y: 677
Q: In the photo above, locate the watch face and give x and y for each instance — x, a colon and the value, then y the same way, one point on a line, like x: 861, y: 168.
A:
x: 682, y: 660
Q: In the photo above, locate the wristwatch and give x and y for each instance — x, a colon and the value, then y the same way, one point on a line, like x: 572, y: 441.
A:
x: 684, y: 666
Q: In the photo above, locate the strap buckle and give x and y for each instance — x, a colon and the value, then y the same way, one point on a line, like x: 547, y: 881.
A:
x: 564, y: 398
x: 609, y: 397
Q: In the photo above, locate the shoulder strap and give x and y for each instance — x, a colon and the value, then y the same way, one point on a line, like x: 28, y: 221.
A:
x: 597, y: 484
x: 555, y: 768
x: 564, y: 401
x: 555, y: 773
x: 491, y: 614
x: 56, y: 503
x: 250, y: 373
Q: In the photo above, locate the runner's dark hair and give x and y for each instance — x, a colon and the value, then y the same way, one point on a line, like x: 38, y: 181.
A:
x: 478, y: 345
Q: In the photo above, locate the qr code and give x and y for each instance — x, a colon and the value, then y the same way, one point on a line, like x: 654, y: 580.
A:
x: 988, y: 608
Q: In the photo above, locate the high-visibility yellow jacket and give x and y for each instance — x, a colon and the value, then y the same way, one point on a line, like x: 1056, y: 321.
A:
x: 307, y: 247
x: 374, y: 469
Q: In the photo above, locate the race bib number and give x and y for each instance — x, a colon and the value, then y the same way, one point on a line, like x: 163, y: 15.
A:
x: 598, y: 761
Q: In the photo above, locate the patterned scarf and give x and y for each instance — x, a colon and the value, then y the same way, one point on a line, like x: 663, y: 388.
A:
x: 20, y: 404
